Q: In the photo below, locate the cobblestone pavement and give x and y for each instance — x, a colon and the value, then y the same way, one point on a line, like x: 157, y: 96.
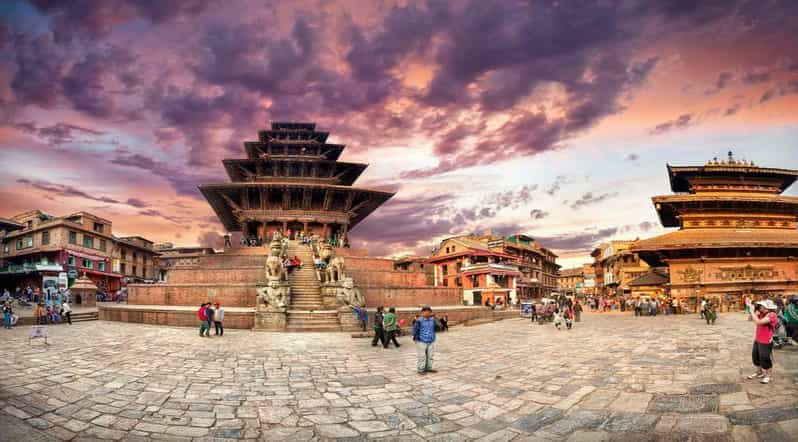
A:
x: 613, y: 377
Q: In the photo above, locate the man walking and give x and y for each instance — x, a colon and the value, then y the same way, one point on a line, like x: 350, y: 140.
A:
x: 379, y: 331
x: 66, y: 311
x: 424, y: 337
x: 391, y: 326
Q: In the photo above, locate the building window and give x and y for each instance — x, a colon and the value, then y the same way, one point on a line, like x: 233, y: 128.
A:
x: 71, y: 260
x: 45, y: 237
x: 19, y: 244
x: 73, y: 237
x: 5, y: 248
x: 123, y: 268
x: 29, y: 223
x: 475, y: 282
x: 98, y: 227
x: 135, y: 270
x: 88, y: 241
x: 444, y: 270
x: 124, y: 253
x: 135, y: 256
x: 101, y: 266
x: 446, y: 282
x: 88, y: 264
x: 29, y: 241
x: 102, y: 245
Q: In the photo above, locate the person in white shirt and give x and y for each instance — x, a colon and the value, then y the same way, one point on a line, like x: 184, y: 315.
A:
x: 218, y: 317
x: 703, y: 307
x: 66, y: 311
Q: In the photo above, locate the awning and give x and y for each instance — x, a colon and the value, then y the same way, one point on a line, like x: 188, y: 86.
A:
x: 49, y: 268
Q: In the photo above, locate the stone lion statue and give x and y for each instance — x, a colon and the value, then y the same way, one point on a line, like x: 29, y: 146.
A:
x: 350, y: 295
x: 335, y: 269
x: 326, y: 252
x: 274, y: 295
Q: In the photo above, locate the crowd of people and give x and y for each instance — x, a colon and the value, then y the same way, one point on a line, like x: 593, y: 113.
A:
x: 298, y: 235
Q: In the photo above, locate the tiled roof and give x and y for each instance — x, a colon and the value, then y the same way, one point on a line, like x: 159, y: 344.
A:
x: 577, y: 271
x: 713, y: 238
x: 652, y: 277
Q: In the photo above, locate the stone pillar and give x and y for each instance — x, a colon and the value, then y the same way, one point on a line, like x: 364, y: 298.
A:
x: 285, y: 227
x: 305, y: 227
x: 324, y: 230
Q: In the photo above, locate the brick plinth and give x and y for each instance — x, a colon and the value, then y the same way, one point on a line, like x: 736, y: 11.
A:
x: 230, y: 295
x: 171, y: 315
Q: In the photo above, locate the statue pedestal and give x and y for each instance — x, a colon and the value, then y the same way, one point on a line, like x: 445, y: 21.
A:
x: 348, y: 320
x: 272, y: 320
x: 329, y: 292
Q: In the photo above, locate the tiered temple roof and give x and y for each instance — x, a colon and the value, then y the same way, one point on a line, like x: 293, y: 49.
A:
x: 726, y: 206
x: 291, y: 176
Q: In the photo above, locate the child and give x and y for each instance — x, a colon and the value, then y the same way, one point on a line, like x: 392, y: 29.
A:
x: 558, y: 321
x: 218, y: 317
x: 424, y: 337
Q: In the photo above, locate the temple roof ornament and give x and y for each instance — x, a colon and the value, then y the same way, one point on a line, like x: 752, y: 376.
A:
x: 730, y: 162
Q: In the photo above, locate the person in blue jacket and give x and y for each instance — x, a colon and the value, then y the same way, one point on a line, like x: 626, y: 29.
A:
x: 424, y: 337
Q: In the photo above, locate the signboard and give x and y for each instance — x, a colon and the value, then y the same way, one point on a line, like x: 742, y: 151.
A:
x: 526, y: 309
x: 63, y: 281
x: 38, y: 331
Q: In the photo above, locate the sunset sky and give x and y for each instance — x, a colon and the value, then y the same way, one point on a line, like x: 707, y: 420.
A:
x: 553, y: 119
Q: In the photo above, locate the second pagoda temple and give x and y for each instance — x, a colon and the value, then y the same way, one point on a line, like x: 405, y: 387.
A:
x: 292, y: 180
x: 737, y: 233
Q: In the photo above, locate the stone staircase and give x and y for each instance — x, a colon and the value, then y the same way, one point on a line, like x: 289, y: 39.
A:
x: 306, y: 312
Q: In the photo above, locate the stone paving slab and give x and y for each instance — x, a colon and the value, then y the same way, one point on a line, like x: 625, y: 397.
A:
x: 611, y: 378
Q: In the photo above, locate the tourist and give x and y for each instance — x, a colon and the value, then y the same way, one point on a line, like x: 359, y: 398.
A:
x: 7, y: 312
x: 424, y: 337
x: 202, y: 314
x: 703, y: 307
x: 218, y: 317
x: 209, y: 315
x: 391, y: 325
x: 362, y: 316
x: 445, y: 323
x: 710, y: 313
x: 765, y: 318
x: 319, y: 263
x: 558, y: 320
x: 379, y: 330
x: 654, y: 307
x: 790, y: 317
x: 568, y: 315
x: 66, y: 311
x: 577, y: 311
x: 296, y: 262
x: 40, y: 314
x: 289, y: 266
x: 533, y: 312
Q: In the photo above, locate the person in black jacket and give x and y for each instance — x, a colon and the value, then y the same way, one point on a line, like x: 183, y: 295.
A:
x: 379, y: 331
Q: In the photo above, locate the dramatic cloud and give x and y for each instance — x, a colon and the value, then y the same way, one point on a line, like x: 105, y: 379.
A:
x: 538, y: 214
x: 64, y: 190
x: 679, y: 123
x: 184, y: 182
x: 555, y: 186
x: 632, y: 157
x: 576, y: 241
x: 589, y: 199
x: 57, y: 134
x: 723, y: 80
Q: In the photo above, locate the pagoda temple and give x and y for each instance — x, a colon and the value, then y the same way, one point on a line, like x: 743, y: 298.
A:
x: 737, y: 233
x: 292, y: 180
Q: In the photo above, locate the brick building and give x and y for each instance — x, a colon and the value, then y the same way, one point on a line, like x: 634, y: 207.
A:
x: 135, y: 257
x: 617, y: 267
x: 490, y: 267
x: 38, y: 247
x: 570, y: 282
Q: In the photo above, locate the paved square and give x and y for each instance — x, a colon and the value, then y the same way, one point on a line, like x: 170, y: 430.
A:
x: 612, y: 377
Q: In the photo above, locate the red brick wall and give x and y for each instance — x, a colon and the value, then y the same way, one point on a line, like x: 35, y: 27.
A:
x: 178, y: 318
x: 192, y: 294
x: 411, y: 297
x: 215, y: 275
